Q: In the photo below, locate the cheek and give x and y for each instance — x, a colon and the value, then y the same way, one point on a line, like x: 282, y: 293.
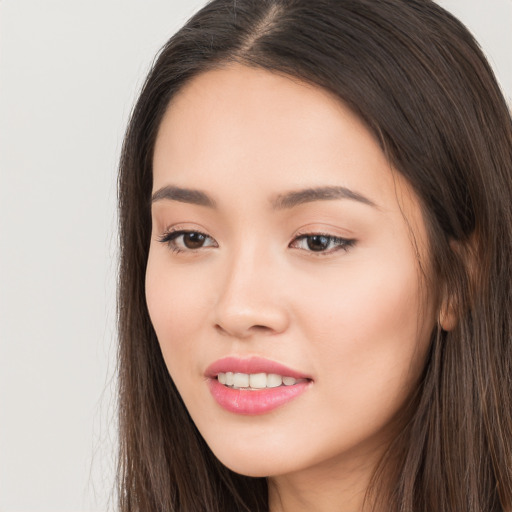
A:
x: 362, y: 298
x: 369, y: 341
x: 176, y: 311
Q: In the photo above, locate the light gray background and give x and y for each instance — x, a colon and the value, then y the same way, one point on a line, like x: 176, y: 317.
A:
x: 69, y: 73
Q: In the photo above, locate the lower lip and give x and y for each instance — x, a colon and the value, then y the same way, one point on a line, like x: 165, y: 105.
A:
x: 259, y: 401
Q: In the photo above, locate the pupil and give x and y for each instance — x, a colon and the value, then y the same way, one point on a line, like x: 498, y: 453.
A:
x: 318, y: 242
x: 193, y: 240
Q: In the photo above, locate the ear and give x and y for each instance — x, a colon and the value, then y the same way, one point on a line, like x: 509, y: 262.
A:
x: 449, y: 311
x: 447, y: 316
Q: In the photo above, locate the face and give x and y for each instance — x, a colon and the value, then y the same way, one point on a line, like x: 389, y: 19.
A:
x: 283, y: 281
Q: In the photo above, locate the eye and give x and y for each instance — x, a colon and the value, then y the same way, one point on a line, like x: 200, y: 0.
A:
x: 321, y: 243
x: 185, y: 241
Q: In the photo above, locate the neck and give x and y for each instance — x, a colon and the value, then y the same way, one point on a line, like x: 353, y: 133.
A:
x: 333, y: 486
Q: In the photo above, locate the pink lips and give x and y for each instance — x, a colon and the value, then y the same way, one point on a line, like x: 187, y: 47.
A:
x: 253, y: 401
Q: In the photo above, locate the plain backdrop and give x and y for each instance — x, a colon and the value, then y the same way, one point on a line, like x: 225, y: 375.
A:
x: 70, y: 71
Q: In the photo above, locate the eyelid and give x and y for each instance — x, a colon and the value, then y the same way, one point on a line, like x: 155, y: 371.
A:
x: 343, y: 243
x: 171, y: 234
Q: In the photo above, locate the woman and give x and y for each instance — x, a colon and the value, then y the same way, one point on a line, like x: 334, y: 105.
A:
x: 315, y: 284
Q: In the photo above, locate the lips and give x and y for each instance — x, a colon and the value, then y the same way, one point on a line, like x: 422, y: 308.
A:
x: 252, y: 365
x: 255, y: 385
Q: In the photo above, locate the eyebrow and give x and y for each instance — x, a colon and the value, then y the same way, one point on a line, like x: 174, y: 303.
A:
x: 307, y: 195
x: 184, y: 195
x: 280, y: 202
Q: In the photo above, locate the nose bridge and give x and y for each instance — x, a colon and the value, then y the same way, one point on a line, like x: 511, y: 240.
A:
x: 248, y: 296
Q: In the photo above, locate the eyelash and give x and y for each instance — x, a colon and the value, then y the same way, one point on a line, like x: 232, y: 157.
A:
x: 344, y: 244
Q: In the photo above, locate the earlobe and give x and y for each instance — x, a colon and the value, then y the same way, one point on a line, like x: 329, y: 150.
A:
x: 452, y: 305
x: 447, y: 316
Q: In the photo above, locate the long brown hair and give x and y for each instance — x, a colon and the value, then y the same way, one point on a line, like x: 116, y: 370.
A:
x: 419, y: 81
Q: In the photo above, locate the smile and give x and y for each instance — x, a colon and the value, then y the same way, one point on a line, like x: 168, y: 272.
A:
x: 255, y: 385
x: 254, y: 381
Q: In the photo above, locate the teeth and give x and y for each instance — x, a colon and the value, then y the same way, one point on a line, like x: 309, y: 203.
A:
x: 258, y: 380
x: 255, y: 380
x: 241, y: 380
x: 273, y: 380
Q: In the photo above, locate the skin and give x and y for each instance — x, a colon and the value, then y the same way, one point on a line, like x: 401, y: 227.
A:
x: 357, y: 320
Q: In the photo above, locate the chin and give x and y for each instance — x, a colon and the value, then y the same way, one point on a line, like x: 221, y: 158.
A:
x: 253, y: 462
x: 256, y: 469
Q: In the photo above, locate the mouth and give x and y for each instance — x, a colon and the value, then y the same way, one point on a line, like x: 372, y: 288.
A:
x: 255, y: 381
x: 255, y: 385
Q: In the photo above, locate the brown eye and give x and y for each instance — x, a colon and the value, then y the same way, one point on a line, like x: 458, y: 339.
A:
x: 183, y: 241
x: 322, y: 244
x: 318, y: 242
x: 193, y: 240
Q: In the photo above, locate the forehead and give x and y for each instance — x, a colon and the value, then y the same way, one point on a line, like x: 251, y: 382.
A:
x: 250, y: 131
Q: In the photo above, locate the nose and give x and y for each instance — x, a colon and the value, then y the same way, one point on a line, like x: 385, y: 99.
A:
x: 250, y: 297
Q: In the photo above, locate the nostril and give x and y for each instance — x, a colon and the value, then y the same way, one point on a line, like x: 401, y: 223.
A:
x: 257, y: 328
x: 260, y: 327
x: 244, y: 320
x: 220, y: 329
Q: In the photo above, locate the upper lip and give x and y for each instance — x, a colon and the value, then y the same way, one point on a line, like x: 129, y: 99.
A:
x: 252, y: 365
